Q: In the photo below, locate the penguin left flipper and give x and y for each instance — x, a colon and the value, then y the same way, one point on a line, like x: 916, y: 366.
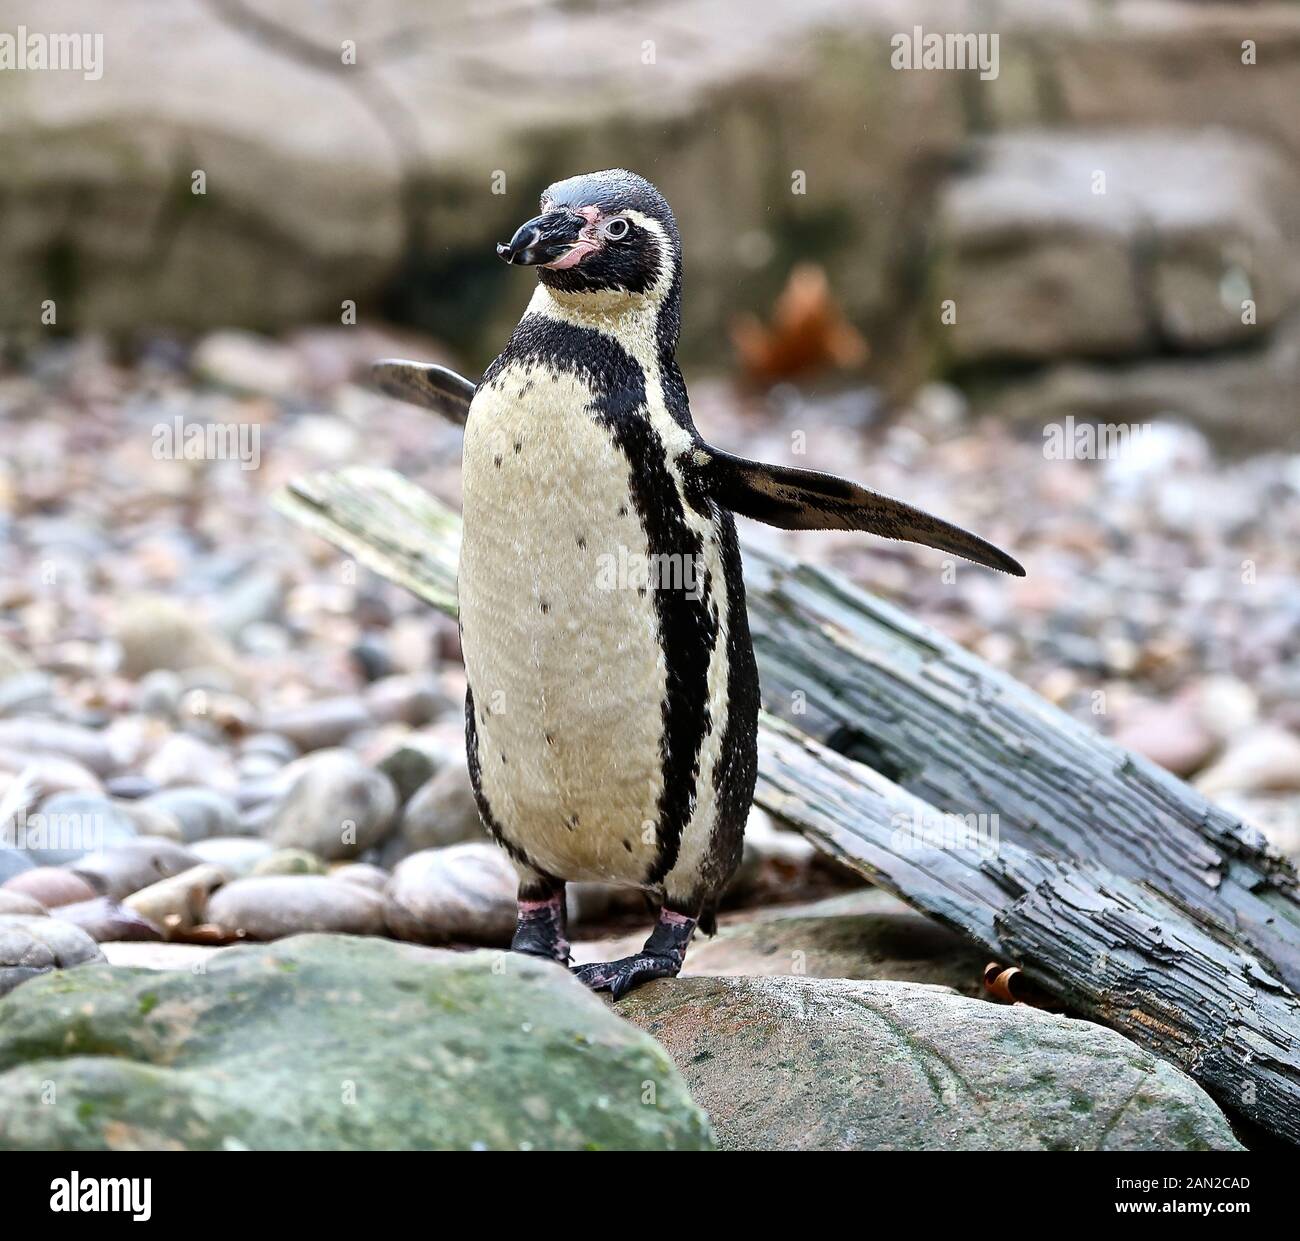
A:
x: 808, y: 500
x: 426, y: 384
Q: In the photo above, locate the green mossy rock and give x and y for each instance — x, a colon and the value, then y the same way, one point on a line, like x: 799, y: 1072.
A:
x: 333, y: 1042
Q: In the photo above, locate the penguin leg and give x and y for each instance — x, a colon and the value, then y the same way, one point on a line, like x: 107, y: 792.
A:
x: 541, y: 930
x: 661, y: 957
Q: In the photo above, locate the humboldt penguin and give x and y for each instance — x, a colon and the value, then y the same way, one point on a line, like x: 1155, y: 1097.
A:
x: 612, y: 713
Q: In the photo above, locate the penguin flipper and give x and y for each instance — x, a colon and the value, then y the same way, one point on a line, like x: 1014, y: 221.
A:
x: 807, y: 500
x: 423, y: 383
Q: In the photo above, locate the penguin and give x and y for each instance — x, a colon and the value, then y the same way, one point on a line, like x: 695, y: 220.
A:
x: 611, y: 716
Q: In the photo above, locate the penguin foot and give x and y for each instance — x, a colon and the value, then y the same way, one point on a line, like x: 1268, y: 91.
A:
x: 540, y: 930
x: 620, y: 977
x: 661, y: 957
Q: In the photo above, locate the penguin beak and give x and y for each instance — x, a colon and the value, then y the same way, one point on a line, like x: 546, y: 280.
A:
x: 544, y: 239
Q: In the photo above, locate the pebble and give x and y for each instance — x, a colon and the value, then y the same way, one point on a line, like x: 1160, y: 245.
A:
x: 129, y: 787
x: 1224, y: 706
x: 199, y: 812
x: 1169, y: 734
x: 179, y: 901
x: 185, y: 760
x: 274, y: 746
x: 108, y: 921
x: 155, y: 632
x: 290, y: 862
x: 36, y: 945
x: 413, y: 700
x: 159, y: 693
x: 236, y: 855
x: 71, y: 825
x: 1262, y: 760
x: 464, y: 894
x: 413, y: 761
x: 48, y: 774
x: 30, y: 691
x: 12, y: 902
x: 51, y: 886
x: 321, y: 724
x: 442, y: 812
x: 125, y: 868
x: 272, y: 906
x: 367, y: 875
x: 335, y: 807
x: 13, y: 862
x: 47, y: 737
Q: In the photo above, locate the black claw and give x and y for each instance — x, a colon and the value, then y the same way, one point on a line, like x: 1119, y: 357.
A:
x: 620, y: 977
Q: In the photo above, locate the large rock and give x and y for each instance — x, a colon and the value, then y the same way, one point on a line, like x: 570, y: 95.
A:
x: 336, y: 807
x: 397, y: 195
x: 35, y: 945
x: 1043, y: 260
x: 326, y: 1042
x: 1243, y: 399
x: 814, y: 1064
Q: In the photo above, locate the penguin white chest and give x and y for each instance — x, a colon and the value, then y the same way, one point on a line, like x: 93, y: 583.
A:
x: 560, y: 633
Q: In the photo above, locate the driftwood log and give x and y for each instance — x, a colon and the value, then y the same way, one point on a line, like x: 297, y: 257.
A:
x: 876, y: 685
x: 1110, y: 883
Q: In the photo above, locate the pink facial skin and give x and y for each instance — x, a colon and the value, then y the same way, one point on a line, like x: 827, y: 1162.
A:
x: 589, y: 242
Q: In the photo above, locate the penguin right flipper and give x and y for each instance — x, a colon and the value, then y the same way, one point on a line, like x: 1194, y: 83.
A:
x: 423, y: 383
x: 807, y: 500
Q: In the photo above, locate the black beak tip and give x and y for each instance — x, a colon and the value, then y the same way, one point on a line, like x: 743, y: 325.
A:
x: 505, y: 252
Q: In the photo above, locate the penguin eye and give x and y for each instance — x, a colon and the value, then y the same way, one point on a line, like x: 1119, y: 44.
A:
x: 615, y: 229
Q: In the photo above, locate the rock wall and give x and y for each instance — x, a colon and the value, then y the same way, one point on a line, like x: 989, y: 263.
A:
x: 373, y: 153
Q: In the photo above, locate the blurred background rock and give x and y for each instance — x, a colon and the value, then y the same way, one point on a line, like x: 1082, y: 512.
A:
x: 387, y: 181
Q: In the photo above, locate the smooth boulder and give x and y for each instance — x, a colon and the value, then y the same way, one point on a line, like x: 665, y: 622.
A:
x: 822, y: 1064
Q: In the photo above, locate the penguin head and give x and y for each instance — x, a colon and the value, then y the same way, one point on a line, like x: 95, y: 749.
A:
x: 601, y: 232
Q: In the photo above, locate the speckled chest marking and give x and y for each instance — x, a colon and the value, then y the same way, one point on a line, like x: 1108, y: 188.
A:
x: 599, y: 703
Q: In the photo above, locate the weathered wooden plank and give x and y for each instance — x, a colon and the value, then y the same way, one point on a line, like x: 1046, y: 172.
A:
x: 873, y: 683
x: 1111, y: 949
